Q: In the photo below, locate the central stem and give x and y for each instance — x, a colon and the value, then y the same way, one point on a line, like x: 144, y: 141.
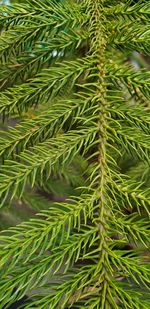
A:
x: 98, y: 47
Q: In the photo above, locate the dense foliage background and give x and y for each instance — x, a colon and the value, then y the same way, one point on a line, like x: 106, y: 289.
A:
x: 74, y: 81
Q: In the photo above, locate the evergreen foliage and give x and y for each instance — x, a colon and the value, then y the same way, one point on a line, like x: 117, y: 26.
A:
x: 81, y: 109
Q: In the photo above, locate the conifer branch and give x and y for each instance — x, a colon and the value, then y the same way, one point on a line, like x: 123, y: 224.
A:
x: 131, y: 140
x: 45, y: 85
x: 31, y: 27
x: 137, y: 81
x: 15, y: 175
x: 73, y: 60
x: 35, y: 272
x: 133, y: 228
x: 31, y: 131
x: 39, y: 235
x: 62, y: 294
